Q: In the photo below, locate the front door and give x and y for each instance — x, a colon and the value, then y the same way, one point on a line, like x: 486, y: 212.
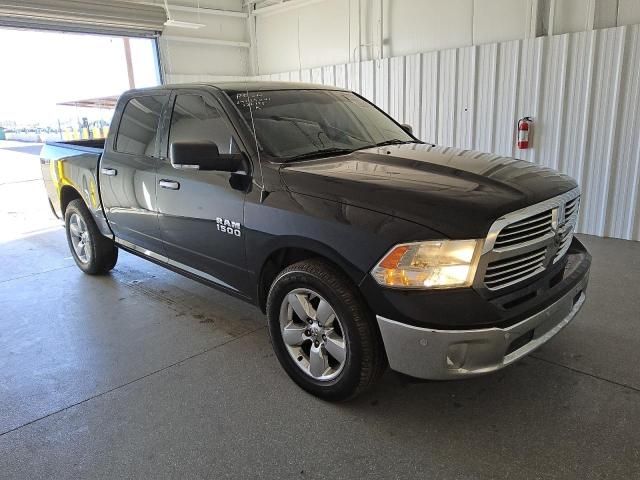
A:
x: 128, y: 174
x: 199, y: 212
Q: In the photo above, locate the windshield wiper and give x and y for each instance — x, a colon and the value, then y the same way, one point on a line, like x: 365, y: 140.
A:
x: 320, y: 153
x: 395, y: 141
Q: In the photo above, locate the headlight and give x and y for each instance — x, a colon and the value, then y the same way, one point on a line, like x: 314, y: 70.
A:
x: 437, y: 264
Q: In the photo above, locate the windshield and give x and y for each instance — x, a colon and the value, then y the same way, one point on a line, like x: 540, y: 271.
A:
x: 292, y: 124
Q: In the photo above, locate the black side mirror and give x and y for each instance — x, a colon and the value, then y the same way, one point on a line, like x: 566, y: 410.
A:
x: 407, y: 128
x: 205, y: 156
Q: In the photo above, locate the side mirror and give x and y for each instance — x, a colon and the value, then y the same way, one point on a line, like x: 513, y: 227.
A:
x: 205, y: 156
x: 407, y: 128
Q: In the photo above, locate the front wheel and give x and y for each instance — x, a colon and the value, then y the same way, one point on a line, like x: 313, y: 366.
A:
x: 322, y: 333
x: 93, y: 252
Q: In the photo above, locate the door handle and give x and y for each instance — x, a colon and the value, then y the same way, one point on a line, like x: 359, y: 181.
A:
x: 169, y: 184
x: 112, y: 172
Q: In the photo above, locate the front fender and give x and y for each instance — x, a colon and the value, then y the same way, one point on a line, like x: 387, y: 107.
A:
x: 353, y: 238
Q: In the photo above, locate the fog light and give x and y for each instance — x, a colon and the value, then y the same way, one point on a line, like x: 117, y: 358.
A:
x: 456, y: 355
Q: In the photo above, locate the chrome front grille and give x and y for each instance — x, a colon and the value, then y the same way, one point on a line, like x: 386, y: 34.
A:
x: 566, y: 230
x: 503, y: 273
x: 526, y: 230
x: 524, y: 243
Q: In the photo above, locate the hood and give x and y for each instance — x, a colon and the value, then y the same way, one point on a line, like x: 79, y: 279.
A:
x: 459, y: 193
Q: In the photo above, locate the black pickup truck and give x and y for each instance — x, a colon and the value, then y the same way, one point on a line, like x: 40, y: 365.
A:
x: 363, y: 245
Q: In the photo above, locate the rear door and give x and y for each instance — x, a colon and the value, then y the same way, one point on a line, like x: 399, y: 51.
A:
x: 201, y: 212
x: 128, y: 173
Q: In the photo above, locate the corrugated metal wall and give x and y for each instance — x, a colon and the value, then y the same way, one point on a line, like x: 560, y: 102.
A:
x: 582, y: 89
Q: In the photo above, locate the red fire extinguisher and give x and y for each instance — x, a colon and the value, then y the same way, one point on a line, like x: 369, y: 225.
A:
x: 524, y: 129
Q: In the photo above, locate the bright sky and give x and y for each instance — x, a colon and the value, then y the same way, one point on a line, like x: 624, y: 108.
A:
x: 39, y: 69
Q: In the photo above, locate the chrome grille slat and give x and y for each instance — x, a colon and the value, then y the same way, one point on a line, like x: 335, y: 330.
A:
x: 534, y: 218
x: 517, y: 280
x: 516, y: 277
x: 524, y: 243
x: 509, y: 233
x: 510, y: 242
x: 513, y: 260
x: 525, y: 230
x: 517, y: 269
x: 494, y: 272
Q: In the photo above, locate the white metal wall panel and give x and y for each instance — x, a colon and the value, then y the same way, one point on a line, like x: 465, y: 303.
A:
x: 329, y: 75
x: 465, y: 105
x: 485, y: 96
x: 447, y: 97
x: 626, y: 184
x: 397, y: 76
x: 554, y: 74
x: 340, y: 76
x: 353, y: 77
x: 382, y: 82
x: 506, y: 98
x: 578, y: 108
x: 602, y: 135
x: 528, y: 96
x: 316, y: 75
x: 429, y: 97
x: 582, y: 90
x: 412, y: 99
x: 368, y: 80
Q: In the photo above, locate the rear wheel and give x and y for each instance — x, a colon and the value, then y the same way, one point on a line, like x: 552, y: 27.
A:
x: 322, y: 333
x: 93, y: 252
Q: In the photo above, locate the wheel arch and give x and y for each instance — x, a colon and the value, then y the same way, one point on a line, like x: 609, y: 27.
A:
x: 67, y: 195
x: 290, y: 250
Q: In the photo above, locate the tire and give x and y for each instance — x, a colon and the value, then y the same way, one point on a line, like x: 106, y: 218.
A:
x: 309, y: 349
x: 100, y: 253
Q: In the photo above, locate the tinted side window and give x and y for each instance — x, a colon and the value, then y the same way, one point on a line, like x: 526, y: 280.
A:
x: 196, y: 120
x: 139, y: 125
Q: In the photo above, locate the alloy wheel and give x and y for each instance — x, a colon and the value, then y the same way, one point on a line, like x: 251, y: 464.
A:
x: 80, y: 238
x: 313, y: 334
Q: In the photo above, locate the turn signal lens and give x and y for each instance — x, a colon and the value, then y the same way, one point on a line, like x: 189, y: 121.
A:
x: 436, y: 264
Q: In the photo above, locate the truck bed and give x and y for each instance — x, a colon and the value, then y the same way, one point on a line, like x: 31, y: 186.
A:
x: 73, y: 165
x: 93, y: 145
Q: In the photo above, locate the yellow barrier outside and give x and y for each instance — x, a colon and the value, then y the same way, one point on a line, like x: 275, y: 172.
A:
x: 75, y: 134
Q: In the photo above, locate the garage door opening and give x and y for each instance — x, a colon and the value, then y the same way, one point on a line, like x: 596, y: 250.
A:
x: 61, y: 86
x: 57, y: 87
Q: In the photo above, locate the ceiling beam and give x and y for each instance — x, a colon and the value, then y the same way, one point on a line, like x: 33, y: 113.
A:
x: 202, y: 10
x: 205, y: 41
x: 283, y: 6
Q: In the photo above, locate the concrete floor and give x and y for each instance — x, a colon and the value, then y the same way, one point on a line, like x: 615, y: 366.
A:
x: 146, y: 374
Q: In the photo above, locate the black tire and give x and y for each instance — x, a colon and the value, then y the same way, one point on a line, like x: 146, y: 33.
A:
x: 365, y: 359
x: 102, y: 252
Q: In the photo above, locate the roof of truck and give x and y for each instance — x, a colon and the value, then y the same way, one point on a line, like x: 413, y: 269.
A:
x: 249, y: 85
x: 255, y: 85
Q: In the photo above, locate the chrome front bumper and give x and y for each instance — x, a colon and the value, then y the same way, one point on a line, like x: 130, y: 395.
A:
x: 447, y: 354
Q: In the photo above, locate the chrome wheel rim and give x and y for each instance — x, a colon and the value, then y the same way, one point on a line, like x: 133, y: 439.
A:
x: 80, y: 238
x: 313, y: 334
